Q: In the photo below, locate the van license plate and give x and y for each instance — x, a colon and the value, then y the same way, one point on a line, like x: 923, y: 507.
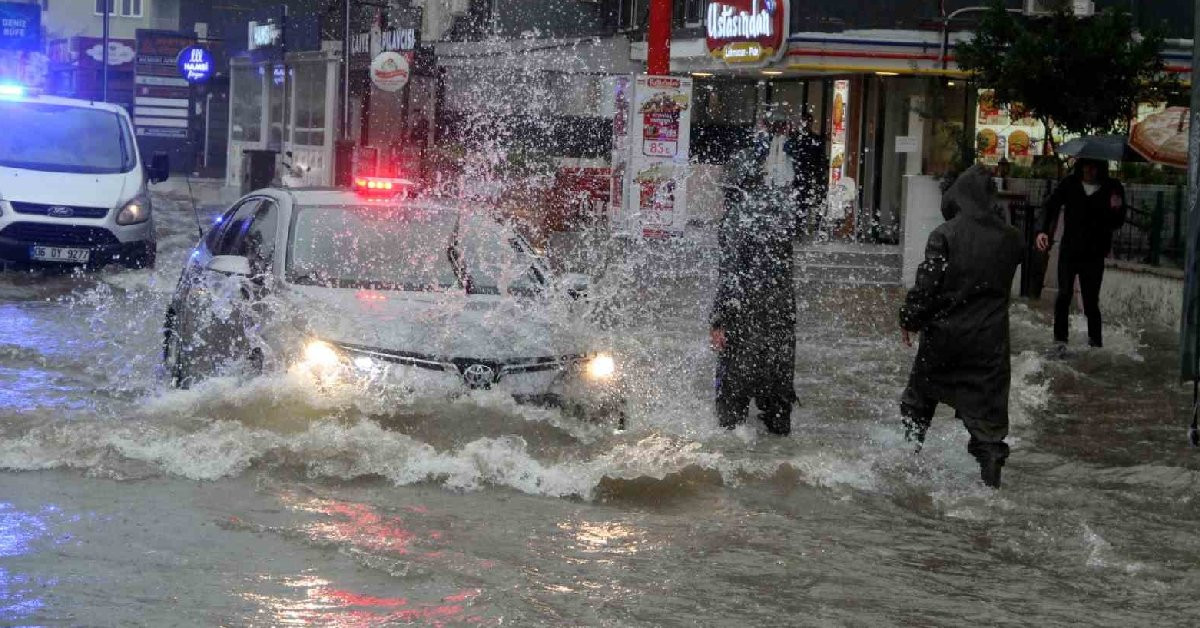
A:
x: 59, y: 254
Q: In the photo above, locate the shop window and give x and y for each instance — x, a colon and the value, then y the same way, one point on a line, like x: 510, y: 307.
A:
x: 309, y: 83
x: 122, y: 8
x: 247, y: 96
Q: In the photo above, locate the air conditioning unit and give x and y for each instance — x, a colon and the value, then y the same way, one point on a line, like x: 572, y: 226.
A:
x: 1081, y: 8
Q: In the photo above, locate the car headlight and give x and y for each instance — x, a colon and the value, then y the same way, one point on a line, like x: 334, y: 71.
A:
x: 135, y: 211
x: 320, y: 354
x: 601, y: 367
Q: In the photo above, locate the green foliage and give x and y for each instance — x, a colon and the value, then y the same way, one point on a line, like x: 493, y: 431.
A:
x: 1085, y: 75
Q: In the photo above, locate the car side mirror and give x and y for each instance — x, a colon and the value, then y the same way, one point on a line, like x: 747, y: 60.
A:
x: 236, y: 265
x: 160, y: 168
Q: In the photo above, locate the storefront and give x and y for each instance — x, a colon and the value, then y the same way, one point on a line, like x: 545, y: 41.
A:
x: 284, y: 97
x: 887, y: 103
x: 393, y: 89
x: 77, y: 69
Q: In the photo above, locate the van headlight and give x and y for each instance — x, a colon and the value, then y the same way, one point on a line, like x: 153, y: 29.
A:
x: 135, y: 211
x: 601, y: 367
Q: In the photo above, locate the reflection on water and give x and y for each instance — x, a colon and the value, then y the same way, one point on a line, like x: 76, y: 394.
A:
x: 320, y: 602
x: 20, y: 594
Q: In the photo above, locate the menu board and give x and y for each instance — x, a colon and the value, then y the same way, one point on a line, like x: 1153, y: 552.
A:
x: 1008, y: 132
x: 656, y: 173
x: 838, y: 122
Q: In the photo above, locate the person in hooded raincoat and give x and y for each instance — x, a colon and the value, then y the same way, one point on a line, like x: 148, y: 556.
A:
x: 959, y: 305
x: 754, y: 314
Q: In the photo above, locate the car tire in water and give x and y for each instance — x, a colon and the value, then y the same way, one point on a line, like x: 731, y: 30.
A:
x: 173, y: 361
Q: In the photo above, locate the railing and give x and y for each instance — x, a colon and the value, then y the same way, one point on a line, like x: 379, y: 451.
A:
x: 1155, y: 226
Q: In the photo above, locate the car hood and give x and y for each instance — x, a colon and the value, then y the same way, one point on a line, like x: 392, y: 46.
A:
x: 61, y: 188
x: 437, y: 325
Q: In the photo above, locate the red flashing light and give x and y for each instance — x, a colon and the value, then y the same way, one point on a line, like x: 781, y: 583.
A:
x: 368, y: 185
x: 370, y: 296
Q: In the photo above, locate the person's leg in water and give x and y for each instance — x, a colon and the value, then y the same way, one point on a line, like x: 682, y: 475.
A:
x: 733, y: 390
x: 774, y: 396
x: 916, y: 411
x: 988, y: 447
x: 1067, y: 271
x: 1091, y: 276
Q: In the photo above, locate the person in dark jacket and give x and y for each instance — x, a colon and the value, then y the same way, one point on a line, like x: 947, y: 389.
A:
x: 1093, y: 207
x: 754, y: 314
x: 808, y: 149
x: 959, y: 305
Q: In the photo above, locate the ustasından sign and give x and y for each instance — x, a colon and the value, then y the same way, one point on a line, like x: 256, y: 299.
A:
x: 747, y: 32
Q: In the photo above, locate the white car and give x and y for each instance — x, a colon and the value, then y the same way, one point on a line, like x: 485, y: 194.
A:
x: 387, y: 292
x: 73, y: 188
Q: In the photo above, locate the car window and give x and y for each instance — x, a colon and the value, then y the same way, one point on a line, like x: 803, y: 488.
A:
x: 258, y: 245
x: 212, y: 239
x: 231, y: 237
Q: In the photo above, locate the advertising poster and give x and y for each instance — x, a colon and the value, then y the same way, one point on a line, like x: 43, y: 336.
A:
x: 838, y: 122
x: 1007, y: 132
x: 659, y: 148
x: 161, y: 95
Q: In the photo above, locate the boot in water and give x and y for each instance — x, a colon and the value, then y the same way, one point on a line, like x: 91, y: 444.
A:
x: 989, y: 471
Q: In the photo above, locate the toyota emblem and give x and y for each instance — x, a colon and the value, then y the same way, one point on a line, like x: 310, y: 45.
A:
x: 479, y: 376
x: 60, y: 211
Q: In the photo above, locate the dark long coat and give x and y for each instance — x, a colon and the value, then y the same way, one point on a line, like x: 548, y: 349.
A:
x: 960, y: 304
x: 756, y: 297
x: 1088, y: 221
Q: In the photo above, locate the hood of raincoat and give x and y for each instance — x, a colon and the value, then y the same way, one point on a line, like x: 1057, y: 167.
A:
x: 971, y: 193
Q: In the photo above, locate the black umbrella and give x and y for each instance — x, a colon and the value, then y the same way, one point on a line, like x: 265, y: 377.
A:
x: 1102, y: 147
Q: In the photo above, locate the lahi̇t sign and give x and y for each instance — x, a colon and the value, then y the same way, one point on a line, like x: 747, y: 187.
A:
x: 747, y: 32
x: 195, y: 64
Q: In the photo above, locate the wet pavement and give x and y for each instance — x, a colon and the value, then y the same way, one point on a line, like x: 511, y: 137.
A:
x: 263, y: 503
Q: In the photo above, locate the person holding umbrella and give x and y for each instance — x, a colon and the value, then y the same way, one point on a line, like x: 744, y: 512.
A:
x: 1093, y: 207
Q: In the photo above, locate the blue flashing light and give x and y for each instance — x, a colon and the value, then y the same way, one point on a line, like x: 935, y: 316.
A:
x: 11, y: 90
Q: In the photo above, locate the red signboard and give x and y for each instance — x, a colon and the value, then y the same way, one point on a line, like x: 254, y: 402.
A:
x: 747, y: 32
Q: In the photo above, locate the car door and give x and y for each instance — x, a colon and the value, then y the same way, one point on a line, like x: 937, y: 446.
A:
x: 214, y: 298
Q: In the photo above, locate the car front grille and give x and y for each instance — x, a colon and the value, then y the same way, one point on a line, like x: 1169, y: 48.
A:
x: 59, y: 211
x: 63, y: 235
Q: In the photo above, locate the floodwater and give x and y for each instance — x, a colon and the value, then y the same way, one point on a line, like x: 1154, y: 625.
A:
x: 263, y: 503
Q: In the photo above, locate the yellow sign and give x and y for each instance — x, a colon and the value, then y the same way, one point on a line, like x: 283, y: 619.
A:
x: 744, y: 52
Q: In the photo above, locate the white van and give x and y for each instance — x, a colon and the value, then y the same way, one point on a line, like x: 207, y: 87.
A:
x: 73, y: 188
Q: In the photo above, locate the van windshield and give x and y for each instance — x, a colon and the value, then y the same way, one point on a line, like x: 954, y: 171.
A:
x: 61, y: 138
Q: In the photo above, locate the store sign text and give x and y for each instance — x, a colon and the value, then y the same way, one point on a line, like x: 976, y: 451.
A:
x: 375, y: 42
x: 195, y: 64
x: 726, y: 22
x: 747, y: 31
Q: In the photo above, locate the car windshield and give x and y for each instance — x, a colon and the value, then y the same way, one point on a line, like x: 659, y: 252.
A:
x: 379, y: 248
x: 406, y: 248
x: 61, y: 138
x: 496, y: 261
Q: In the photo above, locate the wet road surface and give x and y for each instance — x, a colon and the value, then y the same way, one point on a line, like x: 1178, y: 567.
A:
x: 263, y: 503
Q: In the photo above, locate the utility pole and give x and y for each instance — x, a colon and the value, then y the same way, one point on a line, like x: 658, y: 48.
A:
x: 658, y: 38
x: 1190, y: 332
x: 108, y: 7
x: 346, y: 73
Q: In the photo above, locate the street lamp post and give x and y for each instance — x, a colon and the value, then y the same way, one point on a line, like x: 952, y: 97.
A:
x: 108, y: 6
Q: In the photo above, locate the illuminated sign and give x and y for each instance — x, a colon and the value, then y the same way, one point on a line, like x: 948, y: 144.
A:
x: 264, y: 35
x: 195, y: 64
x: 20, y: 26
x: 747, y: 32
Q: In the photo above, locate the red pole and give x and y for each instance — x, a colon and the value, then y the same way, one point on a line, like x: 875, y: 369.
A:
x: 658, y: 38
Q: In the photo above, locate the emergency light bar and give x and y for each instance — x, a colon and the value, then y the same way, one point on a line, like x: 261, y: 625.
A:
x: 380, y: 186
x: 11, y: 91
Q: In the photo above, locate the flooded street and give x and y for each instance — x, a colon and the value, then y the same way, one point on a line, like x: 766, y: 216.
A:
x: 264, y: 503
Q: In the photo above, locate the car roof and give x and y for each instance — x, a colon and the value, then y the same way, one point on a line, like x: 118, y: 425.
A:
x: 65, y: 102
x: 334, y: 197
